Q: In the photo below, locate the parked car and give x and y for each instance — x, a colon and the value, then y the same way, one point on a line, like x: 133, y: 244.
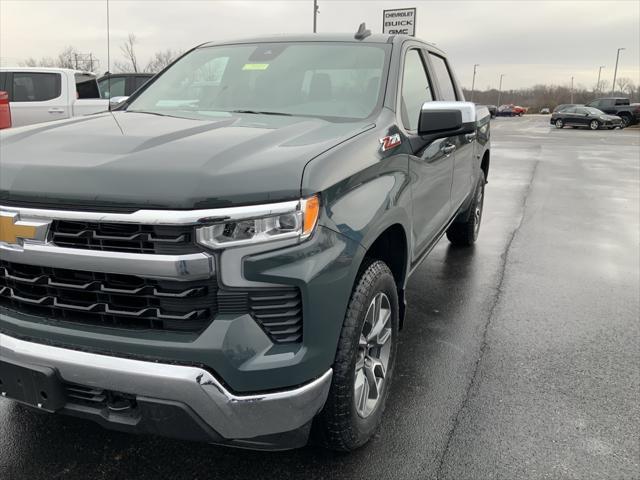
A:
x: 228, y: 264
x: 562, y: 106
x: 587, y: 117
x: 5, y: 110
x: 121, y: 84
x: 506, y: 111
x: 518, y: 110
x: 493, y: 110
x: 618, y: 106
x: 45, y: 94
x: 545, y: 111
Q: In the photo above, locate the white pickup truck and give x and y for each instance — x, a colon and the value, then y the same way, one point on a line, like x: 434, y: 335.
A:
x: 44, y: 94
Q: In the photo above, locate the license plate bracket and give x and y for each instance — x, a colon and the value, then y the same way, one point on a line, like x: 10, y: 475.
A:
x: 33, y: 385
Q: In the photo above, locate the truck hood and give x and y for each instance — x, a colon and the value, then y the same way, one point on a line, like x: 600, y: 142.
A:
x: 127, y: 160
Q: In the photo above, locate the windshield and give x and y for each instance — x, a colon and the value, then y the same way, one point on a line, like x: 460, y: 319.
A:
x: 328, y: 80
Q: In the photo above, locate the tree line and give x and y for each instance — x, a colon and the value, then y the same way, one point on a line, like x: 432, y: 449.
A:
x: 549, y: 96
x: 71, y: 57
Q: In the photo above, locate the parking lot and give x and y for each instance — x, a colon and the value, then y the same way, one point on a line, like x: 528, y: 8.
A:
x: 519, y: 358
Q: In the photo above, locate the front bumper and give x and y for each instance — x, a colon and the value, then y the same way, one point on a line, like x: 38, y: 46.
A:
x: 175, y: 398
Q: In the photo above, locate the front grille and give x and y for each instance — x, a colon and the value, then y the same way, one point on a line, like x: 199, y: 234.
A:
x: 277, y: 311
x: 107, y: 299
x: 124, y: 237
x: 129, y: 302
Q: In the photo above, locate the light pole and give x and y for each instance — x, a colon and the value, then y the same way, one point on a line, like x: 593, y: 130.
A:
x: 615, y: 71
x: 598, y: 84
x: 473, y: 82
x: 571, y: 90
x: 315, y: 15
x: 500, y: 90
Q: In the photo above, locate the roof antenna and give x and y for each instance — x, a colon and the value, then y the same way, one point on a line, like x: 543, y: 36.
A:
x: 362, y: 32
x: 108, y: 59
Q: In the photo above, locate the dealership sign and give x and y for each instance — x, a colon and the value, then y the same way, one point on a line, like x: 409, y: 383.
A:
x: 400, y: 21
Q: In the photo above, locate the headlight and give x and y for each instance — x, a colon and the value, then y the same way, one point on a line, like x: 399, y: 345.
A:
x: 294, y: 221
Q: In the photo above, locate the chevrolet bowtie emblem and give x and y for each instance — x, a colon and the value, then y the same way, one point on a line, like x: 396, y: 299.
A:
x: 12, y: 230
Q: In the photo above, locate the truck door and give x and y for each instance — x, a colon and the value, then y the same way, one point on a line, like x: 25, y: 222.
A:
x: 430, y: 166
x: 37, y: 97
x: 463, y: 178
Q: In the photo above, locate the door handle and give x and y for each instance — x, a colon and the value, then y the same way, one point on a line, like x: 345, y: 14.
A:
x: 448, y: 149
x: 56, y: 110
x: 470, y: 137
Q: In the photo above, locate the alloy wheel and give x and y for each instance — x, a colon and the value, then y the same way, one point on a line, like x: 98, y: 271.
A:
x: 594, y: 125
x: 374, y: 351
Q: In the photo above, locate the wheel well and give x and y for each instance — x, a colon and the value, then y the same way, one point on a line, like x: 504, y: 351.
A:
x: 391, y: 248
x: 484, y: 166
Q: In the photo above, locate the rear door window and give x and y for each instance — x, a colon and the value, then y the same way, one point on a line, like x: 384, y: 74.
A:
x: 442, y: 73
x: 35, y: 86
x: 416, y: 89
x: 140, y: 81
x: 86, y: 86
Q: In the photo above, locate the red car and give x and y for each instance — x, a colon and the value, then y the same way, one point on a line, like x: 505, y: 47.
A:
x: 518, y: 110
x: 5, y: 111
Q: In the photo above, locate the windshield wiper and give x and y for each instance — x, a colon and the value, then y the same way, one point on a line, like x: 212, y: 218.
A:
x: 256, y: 112
x: 148, y: 113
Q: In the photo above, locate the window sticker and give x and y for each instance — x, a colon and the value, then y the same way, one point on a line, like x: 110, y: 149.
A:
x: 255, y: 66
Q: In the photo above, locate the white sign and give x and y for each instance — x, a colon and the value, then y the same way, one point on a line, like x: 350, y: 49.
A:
x: 400, y: 21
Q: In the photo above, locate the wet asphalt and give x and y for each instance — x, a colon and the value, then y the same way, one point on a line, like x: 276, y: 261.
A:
x: 520, y: 358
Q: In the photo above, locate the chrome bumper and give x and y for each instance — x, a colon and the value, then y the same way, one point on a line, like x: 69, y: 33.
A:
x: 231, y: 416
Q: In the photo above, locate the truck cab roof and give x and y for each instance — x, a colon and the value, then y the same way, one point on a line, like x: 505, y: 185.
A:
x: 324, y: 37
x: 70, y: 71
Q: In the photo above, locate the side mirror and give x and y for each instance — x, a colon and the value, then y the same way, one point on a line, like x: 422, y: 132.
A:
x: 117, y: 101
x: 444, y: 118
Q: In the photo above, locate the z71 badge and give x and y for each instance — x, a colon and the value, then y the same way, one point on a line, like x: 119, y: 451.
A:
x: 390, y: 141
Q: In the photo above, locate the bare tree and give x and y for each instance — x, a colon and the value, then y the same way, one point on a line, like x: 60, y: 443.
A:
x: 625, y: 85
x: 160, y: 60
x: 128, y: 49
x: 65, y: 59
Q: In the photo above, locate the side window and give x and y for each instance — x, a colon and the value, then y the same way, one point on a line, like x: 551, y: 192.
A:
x: 141, y: 81
x: 415, y: 89
x: 581, y: 111
x: 3, y: 81
x: 112, y: 88
x: 443, y: 75
x: 35, y: 87
x: 569, y: 110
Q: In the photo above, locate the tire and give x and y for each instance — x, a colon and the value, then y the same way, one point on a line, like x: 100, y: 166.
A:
x: 342, y: 425
x: 594, y: 125
x: 559, y: 123
x: 626, y: 120
x: 465, y: 234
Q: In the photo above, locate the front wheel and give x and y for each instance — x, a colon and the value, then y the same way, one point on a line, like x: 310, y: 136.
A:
x: 465, y: 233
x: 364, y: 362
x: 559, y: 123
x: 594, y: 125
x: 626, y: 120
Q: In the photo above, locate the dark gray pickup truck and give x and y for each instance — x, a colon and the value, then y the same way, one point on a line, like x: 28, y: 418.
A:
x: 224, y: 258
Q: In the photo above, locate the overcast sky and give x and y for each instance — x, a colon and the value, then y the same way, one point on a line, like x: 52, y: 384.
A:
x: 530, y: 41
